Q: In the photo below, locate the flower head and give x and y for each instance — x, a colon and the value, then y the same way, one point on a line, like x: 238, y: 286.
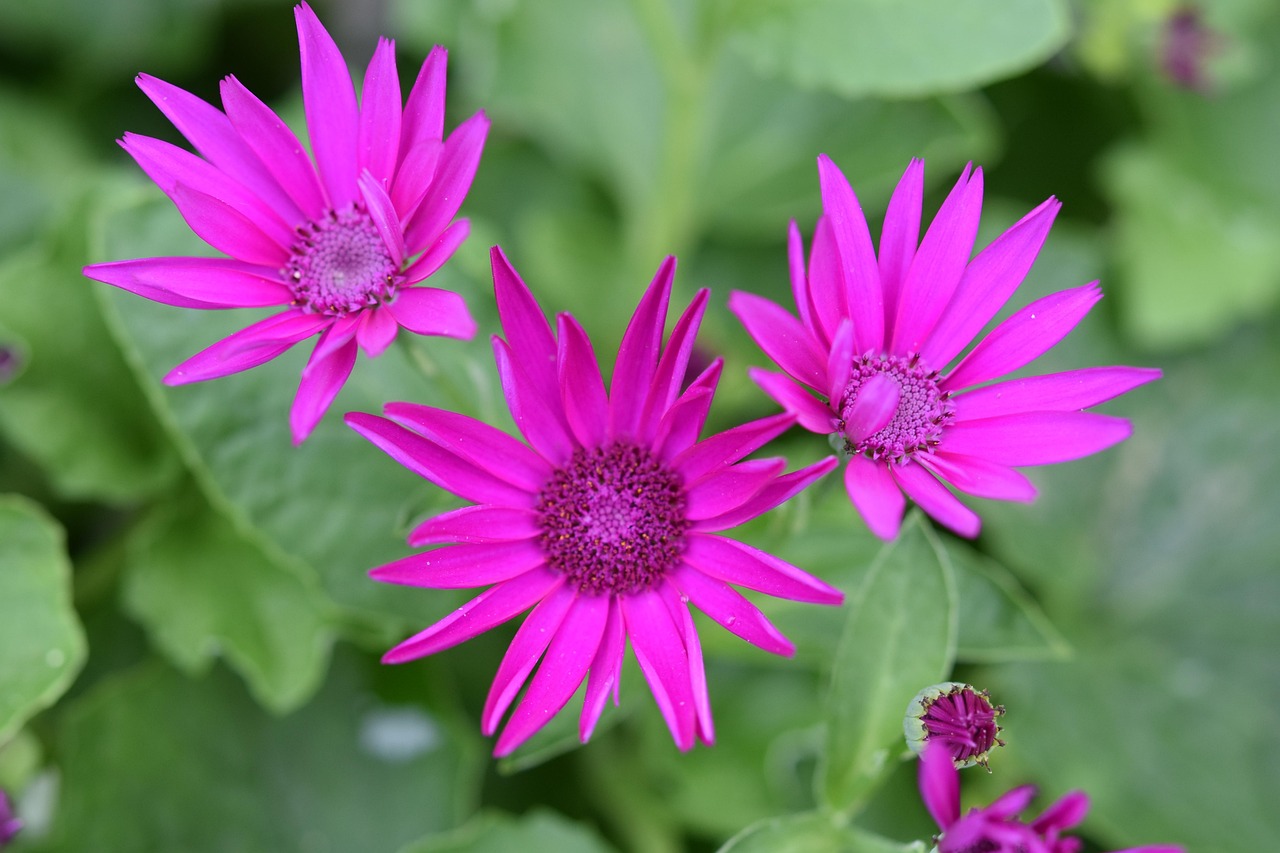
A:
x: 867, y: 360
x: 996, y: 828
x: 605, y: 522
x: 960, y: 716
x: 9, y: 823
x: 341, y: 239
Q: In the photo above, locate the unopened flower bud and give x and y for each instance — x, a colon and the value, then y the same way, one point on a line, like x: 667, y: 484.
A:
x: 960, y: 716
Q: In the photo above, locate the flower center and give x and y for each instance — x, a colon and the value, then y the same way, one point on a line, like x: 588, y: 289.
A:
x: 924, y: 410
x: 613, y: 519
x: 340, y: 264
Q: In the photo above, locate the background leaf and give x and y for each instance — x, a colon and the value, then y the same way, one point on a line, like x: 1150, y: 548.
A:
x: 492, y: 832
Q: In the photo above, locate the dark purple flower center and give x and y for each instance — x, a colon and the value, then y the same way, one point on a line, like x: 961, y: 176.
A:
x: 340, y: 264
x: 613, y: 519
x: 960, y: 716
x: 924, y: 410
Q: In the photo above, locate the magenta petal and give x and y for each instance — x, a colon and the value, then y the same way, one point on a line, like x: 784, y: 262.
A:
x: 637, y: 362
x: 981, y: 477
x: 810, y: 412
x: 487, y: 610
x: 378, y: 139
x: 431, y: 461
x: 799, y: 278
x: 475, y: 524
x: 377, y: 330
x: 1056, y: 392
x: 988, y: 282
x: 872, y: 409
x: 727, y: 607
x: 339, y: 332
x: 450, y: 183
x: 933, y: 497
x: 900, y: 235
x: 329, y: 100
x: 938, y: 265
x: 782, y: 489
x: 539, y: 418
x: 734, y: 562
x: 940, y: 784
x: 196, y: 282
x: 417, y: 171
x: 828, y: 308
x: 875, y: 496
x: 1036, y: 438
x: 782, y: 337
x: 864, y: 297
x: 1067, y: 812
x: 431, y: 311
x: 729, y: 446
x: 463, y: 566
x: 672, y: 366
x: 424, y: 112
x: 249, y: 347
x: 563, y: 668
x: 440, y: 251
x: 586, y: 406
x: 526, y: 647
x: 682, y: 424
x: 1010, y: 803
x: 227, y: 229
x: 526, y: 328
x: 1023, y: 337
x: 606, y: 669
x: 840, y: 362
x: 322, y: 379
x: 383, y: 214
x: 730, y: 488
x: 664, y: 662
x: 679, y: 611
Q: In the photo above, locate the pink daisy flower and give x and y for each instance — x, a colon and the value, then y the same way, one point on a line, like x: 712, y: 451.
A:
x: 606, y: 522
x: 996, y: 828
x: 867, y: 360
x: 342, y: 242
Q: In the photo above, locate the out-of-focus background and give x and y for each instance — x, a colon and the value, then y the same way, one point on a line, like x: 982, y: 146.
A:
x: 188, y: 640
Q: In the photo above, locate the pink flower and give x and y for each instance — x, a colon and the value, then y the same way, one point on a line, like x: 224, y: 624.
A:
x: 605, y: 523
x: 9, y: 823
x: 867, y: 361
x: 341, y: 242
x: 996, y: 828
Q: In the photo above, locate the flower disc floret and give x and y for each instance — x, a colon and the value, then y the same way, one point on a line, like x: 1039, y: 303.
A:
x: 341, y: 264
x: 923, y: 411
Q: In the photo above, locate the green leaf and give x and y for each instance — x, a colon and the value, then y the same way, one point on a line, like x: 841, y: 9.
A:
x: 494, y: 832
x: 42, y: 645
x: 900, y: 48
x: 205, y: 590
x: 999, y: 620
x: 900, y: 636
x: 812, y: 832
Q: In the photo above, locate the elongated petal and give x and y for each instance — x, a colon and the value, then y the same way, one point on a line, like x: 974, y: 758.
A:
x: 727, y: 607
x: 526, y: 647
x: 858, y: 266
x: 322, y: 379
x: 937, y: 267
x: 799, y: 278
x: 340, y: 331
x: 940, y: 784
x: 1023, y: 337
x: 827, y: 294
x: 729, y: 446
x: 424, y: 112
x: 329, y: 100
x: 383, y: 214
x: 810, y: 412
x: 539, y: 418
x: 664, y: 662
x: 934, y: 499
x: 196, y: 282
x: 782, y: 489
x: 227, y: 229
x: 488, y: 610
x: 1067, y: 812
x: 981, y: 477
x: 900, y: 236
x: 638, y: 354
x: 475, y: 524
x: 682, y: 424
x: 450, y: 183
x: 988, y: 282
x: 1011, y: 802
x: 672, y: 366
x: 463, y: 566
x: 1036, y: 438
x: 563, y: 668
x: 875, y: 496
x: 782, y: 337
x: 377, y: 330
x: 679, y: 610
x: 431, y: 461
x: 730, y: 488
x: 873, y: 408
x: 586, y: 405
x: 378, y: 138
x: 249, y: 347
x: 440, y: 251
x: 413, y: 179
x: 525, y: 326
x: 606, y: 670
x: 1056, y: 392
x: 431, y: 311
x: 840, y: 364
x: 734, y: 562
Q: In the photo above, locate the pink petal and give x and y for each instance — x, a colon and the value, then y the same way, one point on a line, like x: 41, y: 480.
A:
x: 487, y: 610
x: 431, y: 311
x: 672, y: 366
x: 1036, y: 438
x: 679, y: 611
x: 586, y: 405
x: 988, y: 282
x: 383, y: 214
x: 981, y: 477
x: 734, y: 562
x: 840, y: 363
x: 440, y: 251
x: 726, y: 606
x: 827, y: 295
x: 484, y: 446
x: 539, y: 418
x: 424, y: 112
x: 378, y: 138
x: 664, y: 662
x: 606, y: 670
x: 249, y: 347
x: 782, y: 337
x: 476, y: 524
x: 1011, y: 802
x: 414, y: 177
x: 377, y: 330
x: 563, y: 668
x: 322, y: 379
x: 900, y: 235
x: 872, y: 409
x: 782, y: 489
x: 196, y: 282
x: 940, y: 784
x: 937, y: 267
x: 809, y: 412
x: 329, y: 101
x: 276, y: 146
x: 875, y: 496
x: 449, y: 185
x: 864, y: 297
x: 637, y: 362
x: 799, y: 279
x: 683, y: 422
x: 1056, y: 392
x: 1064, y: 814
x: 431, y: 461
x: 526, y: 328
x: 227, y: 229
x: 1023, y: 337
x: 527, y: 646
x: 934, y: 499
x: 463, y: 566
x: 729, y: 446
x: 337, y: 335
x: 730, y: 488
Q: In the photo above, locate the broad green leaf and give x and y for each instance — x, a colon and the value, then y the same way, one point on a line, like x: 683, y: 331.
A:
x: 900, y: 636
x: 198, y: 766
x: 205, y: 590
x: 813, y: 832
x: 493, y: 832
x: 999, y: 620
x: 900, y: 48
x: 42, y: 645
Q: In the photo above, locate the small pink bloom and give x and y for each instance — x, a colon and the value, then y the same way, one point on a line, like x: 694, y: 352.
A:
x: 343, y: 239
x: 606, y: 520
x: 9, y: 823
x: 873, y: 360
